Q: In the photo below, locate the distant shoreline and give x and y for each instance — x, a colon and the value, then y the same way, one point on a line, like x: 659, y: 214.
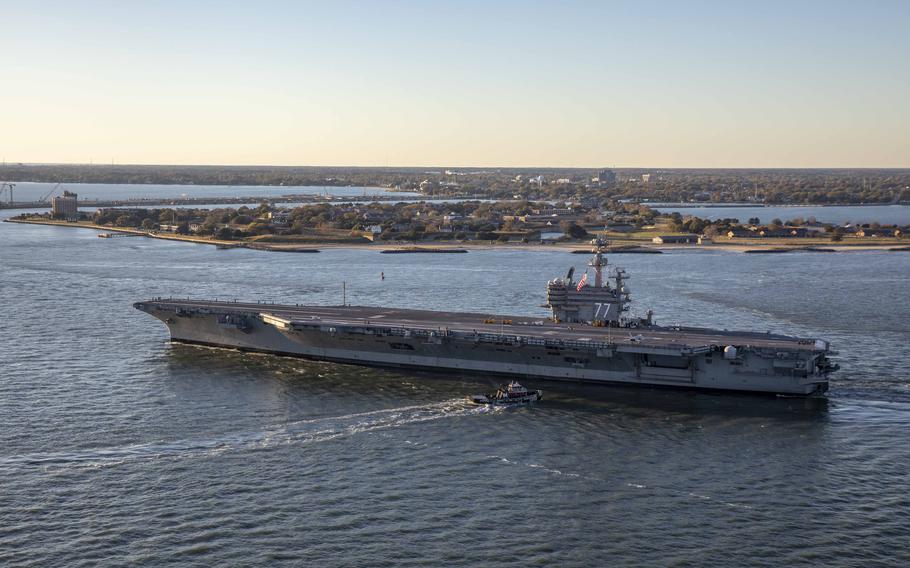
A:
x: 658, y: 206
x: 573, y: 247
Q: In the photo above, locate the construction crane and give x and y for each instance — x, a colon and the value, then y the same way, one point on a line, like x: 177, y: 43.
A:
x: 44, y: 197
x: 7, y: 186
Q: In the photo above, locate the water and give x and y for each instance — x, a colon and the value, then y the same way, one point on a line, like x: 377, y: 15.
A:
x: 119, y: 448
x: 279, y: 205
x: 33, y: 191
x: 839, y: 214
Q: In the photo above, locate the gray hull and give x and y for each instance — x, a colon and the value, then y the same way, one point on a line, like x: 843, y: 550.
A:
x: 464, y: 343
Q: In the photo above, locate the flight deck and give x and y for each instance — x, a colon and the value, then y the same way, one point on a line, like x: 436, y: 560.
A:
x: 494, y: 324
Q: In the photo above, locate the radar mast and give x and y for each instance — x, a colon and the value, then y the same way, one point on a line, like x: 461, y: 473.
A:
x: 598, y: 263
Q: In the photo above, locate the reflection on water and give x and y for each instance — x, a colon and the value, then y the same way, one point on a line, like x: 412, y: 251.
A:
x: 33, y: 191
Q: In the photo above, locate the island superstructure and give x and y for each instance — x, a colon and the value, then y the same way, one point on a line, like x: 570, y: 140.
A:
x: 588, y: 338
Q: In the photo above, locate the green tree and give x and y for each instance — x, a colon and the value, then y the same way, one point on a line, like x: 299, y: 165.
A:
x: 573, y: 229
x: 259, y: 228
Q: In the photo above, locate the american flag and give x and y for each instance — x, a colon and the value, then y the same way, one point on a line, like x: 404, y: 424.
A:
x: 582, y: 282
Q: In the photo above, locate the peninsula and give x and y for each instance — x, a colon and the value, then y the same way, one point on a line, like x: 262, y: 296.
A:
x: 464, y: 225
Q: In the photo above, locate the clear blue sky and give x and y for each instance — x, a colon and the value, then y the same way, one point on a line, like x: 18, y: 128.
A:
x: 684, y: 84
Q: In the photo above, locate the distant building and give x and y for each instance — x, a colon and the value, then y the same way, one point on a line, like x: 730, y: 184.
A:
x: 605, y: 178
x: 740, y: 232
x: 548, y: 219
x: 783, y: 233
x: 372, y: 232
x: 882, y: 232
x: 645, y: 178
x: 65, y: 206
x: 675, y: 239
x: 279, y: 218
x: 756, y: 232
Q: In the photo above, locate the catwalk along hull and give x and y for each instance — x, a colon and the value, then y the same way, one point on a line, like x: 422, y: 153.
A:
x: 507, y: 346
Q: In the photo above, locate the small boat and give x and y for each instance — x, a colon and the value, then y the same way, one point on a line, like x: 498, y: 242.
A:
x: 513, y: 393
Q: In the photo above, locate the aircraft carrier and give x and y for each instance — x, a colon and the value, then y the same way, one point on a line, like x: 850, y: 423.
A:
x: 588, y: 337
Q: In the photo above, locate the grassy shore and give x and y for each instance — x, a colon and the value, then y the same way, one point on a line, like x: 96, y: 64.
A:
x: 642, y: 240
x: 139, y: 232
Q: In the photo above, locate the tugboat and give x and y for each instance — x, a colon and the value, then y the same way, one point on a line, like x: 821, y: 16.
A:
x: 513, y: 393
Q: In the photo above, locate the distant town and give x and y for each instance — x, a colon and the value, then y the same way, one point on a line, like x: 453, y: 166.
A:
x: 514, y: 221
x: 589, y: 187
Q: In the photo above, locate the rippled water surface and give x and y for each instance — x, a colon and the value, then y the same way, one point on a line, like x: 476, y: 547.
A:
x: 33, y: 191
x: 117, y: 447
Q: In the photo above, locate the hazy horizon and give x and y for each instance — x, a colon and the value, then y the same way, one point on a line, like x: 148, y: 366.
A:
x: 705, y: 85
x: 444, y: 166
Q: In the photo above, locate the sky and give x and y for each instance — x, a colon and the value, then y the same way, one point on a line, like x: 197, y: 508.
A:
x: 463, y: 83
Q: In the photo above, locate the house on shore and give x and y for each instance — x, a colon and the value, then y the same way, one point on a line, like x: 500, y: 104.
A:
x: 765, y: 232
x: 740, y: 232
x: 881, y: 232
x: 688, y: 239
x: 784, y: 233
x: 281, y: 218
